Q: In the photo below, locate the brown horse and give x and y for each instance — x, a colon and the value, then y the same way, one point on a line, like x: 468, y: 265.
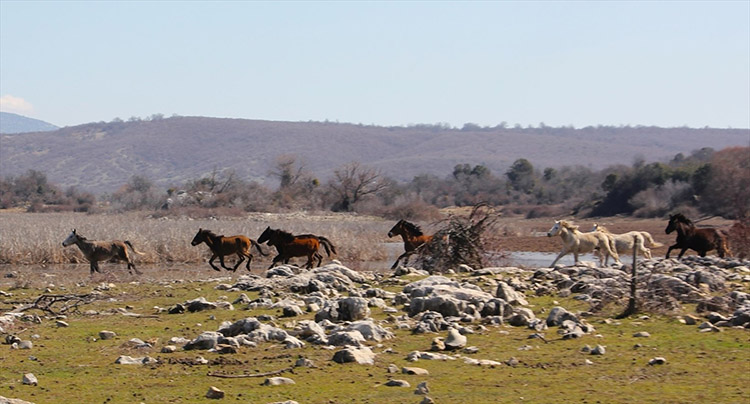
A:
x: 289, y: 245
x: 412, y: 236
x: 96, y: 251
x: 700, y: 240
x: 221, y: 246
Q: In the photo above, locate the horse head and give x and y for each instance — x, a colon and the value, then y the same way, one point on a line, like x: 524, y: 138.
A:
x: 199, y: 237
x: 555, y: 230
x: 397, y: 229
x: 71, y: 239
x: 675, y: 221
x: 266, y: 235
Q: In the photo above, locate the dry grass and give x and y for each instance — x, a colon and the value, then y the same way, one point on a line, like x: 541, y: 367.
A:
x: 36, y: 239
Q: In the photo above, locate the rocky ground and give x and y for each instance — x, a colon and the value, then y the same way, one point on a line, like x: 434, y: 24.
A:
x: 373, y: 319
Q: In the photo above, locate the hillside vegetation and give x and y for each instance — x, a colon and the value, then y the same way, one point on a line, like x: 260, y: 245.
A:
x: 100, y: 157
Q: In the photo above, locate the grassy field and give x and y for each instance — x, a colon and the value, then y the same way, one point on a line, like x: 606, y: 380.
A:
x: 73, y: 365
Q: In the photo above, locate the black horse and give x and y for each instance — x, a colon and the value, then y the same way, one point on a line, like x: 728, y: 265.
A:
x: 701, y: 240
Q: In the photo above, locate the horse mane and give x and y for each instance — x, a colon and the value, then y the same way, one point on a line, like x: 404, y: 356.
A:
x: 568, y: 225
x: 413, y: 228
x: 285, y: 236
x: 682, y: 218
x: 601, y: 228
x: 209, y: 233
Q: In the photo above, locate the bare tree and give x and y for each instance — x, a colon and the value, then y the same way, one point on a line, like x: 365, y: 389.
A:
x: 288, y: 170
x: 352, y: 182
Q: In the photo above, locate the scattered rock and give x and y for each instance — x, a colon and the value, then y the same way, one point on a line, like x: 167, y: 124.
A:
x: 214, y: 393
x: 397, y: 383
x: 104, y: 334
x: 30, y: 379
x: 61, y: 323
x: 657, y: 361
x: 362, y: 355
x: 414, y: 371
x: 422, y: 389
x: 278, y: 381
x: 641, y: 334
x: 454, y: 340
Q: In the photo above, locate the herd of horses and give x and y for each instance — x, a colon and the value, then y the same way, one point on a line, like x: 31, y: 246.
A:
x: 598, y: 240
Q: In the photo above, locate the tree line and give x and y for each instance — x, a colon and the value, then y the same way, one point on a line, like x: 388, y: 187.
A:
x: 705, y: 182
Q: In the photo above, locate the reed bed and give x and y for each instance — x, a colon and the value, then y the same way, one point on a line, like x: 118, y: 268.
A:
x: 36, y: 238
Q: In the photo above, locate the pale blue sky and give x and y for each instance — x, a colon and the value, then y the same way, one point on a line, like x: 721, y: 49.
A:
x: 670, y: 63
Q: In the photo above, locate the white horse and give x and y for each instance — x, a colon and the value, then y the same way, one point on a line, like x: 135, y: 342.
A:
x: 581, y: 243
x: 625, y: 242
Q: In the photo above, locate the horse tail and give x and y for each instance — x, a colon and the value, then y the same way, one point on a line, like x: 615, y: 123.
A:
x: 650, y: 240
x: 721, y: 244
x: 133, y: 248
x: 327, y: 245
x: 257, y: 247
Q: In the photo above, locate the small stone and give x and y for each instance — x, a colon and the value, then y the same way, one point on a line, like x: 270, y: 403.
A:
x: 397, y: 383
x: 304, y: 363
x: 599, y: 350
x: 214, y: 393
x: 437, y: 344
x: 427, y: 400
x: 392, y: 368
x: 61, y: 323
x: 414, y: 371
x: 278, y: 381
x: 641, y: 334
x: 657, y: 361
x: 455, y: 340
x: 29, y: 379
x: 168, y: 349
x: 422, y: 389
x: 690, y: 320
x: 104, y: 334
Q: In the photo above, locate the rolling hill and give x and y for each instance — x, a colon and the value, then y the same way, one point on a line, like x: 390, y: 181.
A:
x: 100, y: 157
x: 14, y: 123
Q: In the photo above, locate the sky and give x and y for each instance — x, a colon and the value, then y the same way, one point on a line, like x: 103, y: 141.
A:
x: 391, y: 63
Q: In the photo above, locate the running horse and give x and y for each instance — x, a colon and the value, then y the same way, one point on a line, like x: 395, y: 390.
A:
x: 289, y: 245
x: 701, y: 240
x: 222, y: 245
x: 96, y: 251
x: 413, y: 239
x: 581, y: 243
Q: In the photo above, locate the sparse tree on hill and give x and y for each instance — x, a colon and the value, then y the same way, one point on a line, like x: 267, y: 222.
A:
x: 353, y: 182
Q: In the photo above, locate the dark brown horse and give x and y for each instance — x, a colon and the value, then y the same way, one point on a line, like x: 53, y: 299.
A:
x: 96, y: 251
x: 412, y: 236
x: 289, y: 245
x: 221, y: 246
x: 701, y: 240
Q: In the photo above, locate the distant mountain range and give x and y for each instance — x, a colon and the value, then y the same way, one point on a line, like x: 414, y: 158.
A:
x: 14, y: 123
x: 100, y: 157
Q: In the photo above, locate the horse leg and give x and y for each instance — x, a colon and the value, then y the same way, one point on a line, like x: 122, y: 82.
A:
x: 242, y: 258
x: 132, y: 265
x: 249, y: 260
x: 276, y: 259
x: 221, y: 261
x: 93, y: 267
x: 395, y: 264
x: 211, y: 262
x: 672, y: 247
x: 319, y: 257
x: 575, y: 257
x: 562, y: 253
x: 682, y: 252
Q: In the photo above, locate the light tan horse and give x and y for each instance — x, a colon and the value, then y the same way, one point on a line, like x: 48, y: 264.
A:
x: 96, y: 251
x: 625, y: 242
x: 576, y: 242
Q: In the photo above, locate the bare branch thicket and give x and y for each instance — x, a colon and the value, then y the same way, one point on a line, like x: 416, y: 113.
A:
x: 460, y: 240
x: 60, y: 304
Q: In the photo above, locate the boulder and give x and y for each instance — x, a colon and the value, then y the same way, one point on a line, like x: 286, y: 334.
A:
x: 361, y: 355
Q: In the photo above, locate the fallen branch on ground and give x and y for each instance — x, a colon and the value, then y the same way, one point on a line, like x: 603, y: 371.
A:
x: 273, y: 373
